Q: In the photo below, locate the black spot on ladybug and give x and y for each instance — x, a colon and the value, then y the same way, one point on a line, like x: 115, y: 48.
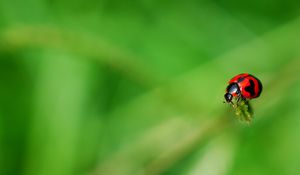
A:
x: 250, y: 88
x: 241, y: 79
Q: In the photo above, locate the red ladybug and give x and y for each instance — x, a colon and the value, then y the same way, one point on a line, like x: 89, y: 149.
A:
x: 244, y: 86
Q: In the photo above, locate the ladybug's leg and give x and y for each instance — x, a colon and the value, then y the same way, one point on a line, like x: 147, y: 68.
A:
x: 239, y: 97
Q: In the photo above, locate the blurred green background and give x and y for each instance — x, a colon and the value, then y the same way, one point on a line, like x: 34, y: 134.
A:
x: 136, y: 87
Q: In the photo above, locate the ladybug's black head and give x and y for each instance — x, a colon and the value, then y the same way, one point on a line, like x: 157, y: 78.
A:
x: 228, y: 97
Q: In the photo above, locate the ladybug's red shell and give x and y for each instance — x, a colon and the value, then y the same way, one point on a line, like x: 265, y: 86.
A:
x: 250, y: 86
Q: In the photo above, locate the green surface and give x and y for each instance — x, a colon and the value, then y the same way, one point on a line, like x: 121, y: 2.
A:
x: 136, y: 87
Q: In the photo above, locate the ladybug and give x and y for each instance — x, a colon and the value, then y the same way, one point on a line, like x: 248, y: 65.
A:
x: 243, y: 86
